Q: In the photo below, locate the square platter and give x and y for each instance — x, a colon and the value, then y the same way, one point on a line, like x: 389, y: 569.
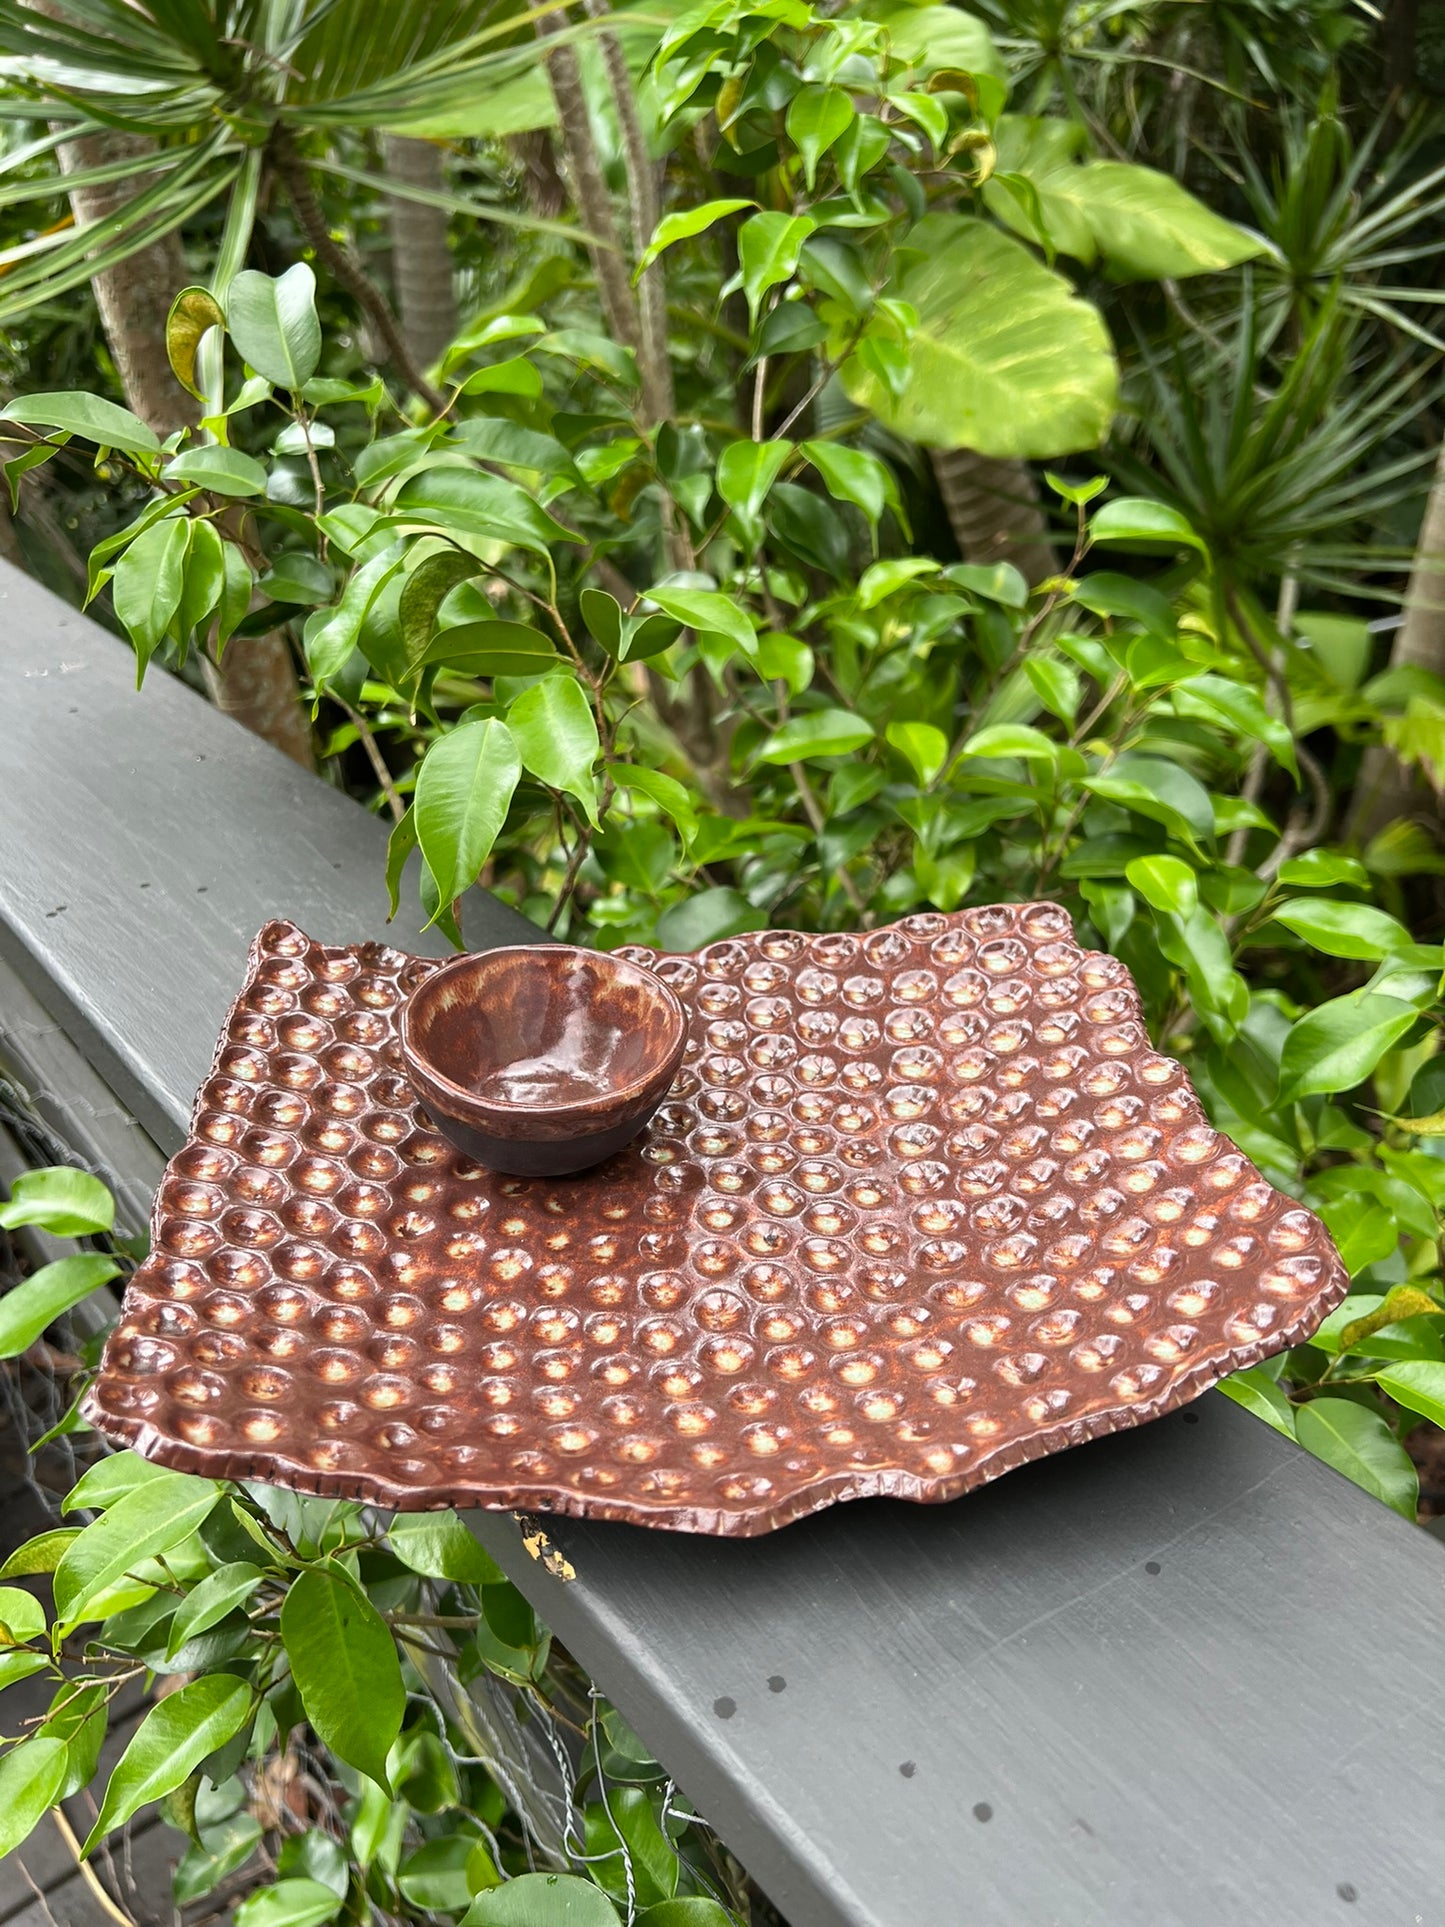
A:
x: 922, y: 1205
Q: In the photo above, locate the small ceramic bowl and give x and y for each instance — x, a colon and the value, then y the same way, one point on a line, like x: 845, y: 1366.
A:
x: 541, y: 1059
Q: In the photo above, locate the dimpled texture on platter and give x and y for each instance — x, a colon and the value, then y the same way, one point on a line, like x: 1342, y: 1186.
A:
x: 922, y: 1205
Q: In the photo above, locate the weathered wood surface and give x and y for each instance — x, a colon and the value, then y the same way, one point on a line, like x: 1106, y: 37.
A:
x: 1185, y: 1677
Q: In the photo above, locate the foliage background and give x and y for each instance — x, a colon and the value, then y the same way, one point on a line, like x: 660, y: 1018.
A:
x: 763, y: 464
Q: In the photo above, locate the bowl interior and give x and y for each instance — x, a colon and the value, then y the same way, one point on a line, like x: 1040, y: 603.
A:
x: 544, y: 1028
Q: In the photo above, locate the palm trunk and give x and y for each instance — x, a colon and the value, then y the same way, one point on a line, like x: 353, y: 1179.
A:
x: 421, y: 259
x: 994, y: 511
x: 1387, y: 789
x: 256, y: 680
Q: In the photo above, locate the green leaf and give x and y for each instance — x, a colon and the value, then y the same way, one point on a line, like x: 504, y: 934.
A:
x: 40, y: 1554
x: 439, y: 1546
x: 1137, y: 519
x: 853, y: 475
x: 923, y: 747
x: 295, y: 576
x: 1399, y: 1303
x: 1165, y: 883
x: 785, y: 659
x: 625, y: 1825
x: 426, y: 589
x: 819, y: 732
x: 109, y: 1479
x: 669, y: 795
x: 683, y: 225
x: 1057, y: 686
x: 542, y: 1900
x: 89, y: 416
x: 1319, y: 869
x: 274, y: 324
x: 710, y: 614
x: 883, y: 579
x: 1417, y: 1383
x: 555, y: 733
x: 462, y: 797
x: 344, y: 1663
x: 290, y: 1903
x: 478, y: 504
x: 194, y: 312
x: 1241, y: 708
x: 1006, y: 359
x: 747, y: 470
x: 1343, y: 929
x: 27, y: 1309
x: 1149, y: 228
x: 706, y: 918
x: 603, y: 615
x: 223, y: 471
x: 768, y: 248
x: 1363, y: 1232
x: 219, y: 1593
x: 22, y: 1617
x: 434, y: 1877
x: 236, y: 592
x: 817, y: 117
x: 1164, y: 792
x: 330, y: 643
x: 177, y: 1734
x: 204, y: 580
x: 31, y: 1776
x: 1358, y: 1442
x: 149, y: 1520
x: 1335, y: 1046
x: 1012, y: 739
x: 60, y: 1199
x: 1257, y: 1392
x: 148, y: 583
x: 490, y: 649
x: 929, y: 39
x: 515, y: 376
x: 693, y: 1911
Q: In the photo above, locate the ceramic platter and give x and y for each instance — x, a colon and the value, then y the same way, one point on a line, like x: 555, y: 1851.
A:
x: 922, y: 1205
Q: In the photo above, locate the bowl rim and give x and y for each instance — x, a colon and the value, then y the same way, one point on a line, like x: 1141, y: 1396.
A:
x: 470, y: 1102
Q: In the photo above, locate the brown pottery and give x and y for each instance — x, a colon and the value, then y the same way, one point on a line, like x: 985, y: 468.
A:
x: 921, y: 1204
x: 541, y: 1059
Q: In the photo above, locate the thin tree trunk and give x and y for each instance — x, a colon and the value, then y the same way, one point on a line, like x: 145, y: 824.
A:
x: 421, y: 259
x: 994, y: 511
x: 256, y: 680
x: 589, y: 189
x: 1387, y: 790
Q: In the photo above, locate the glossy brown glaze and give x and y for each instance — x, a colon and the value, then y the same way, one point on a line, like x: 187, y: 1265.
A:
x: 924, y: 1204
x: 540, y: 1059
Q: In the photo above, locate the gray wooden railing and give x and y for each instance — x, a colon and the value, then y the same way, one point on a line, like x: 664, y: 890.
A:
x: 1185, y: 1675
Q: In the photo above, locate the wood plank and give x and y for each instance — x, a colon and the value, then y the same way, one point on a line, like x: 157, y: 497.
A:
x: 1185, y: 1675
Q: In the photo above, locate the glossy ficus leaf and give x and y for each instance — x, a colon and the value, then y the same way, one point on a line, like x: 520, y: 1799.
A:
x: 438, y: 1545
x: 542, y: 1900
x: 922, y: 746
x: 1257, y: 1392
x: 172, y: 1740
x: 149, y: 1520
x: 684, y: 225
x: 220, y: 471
x: 462, y: 797
x: 1418, y: 1384
x: 29, y: 1307
x: 209, y: 1602
x: 1133, y: 519
x: 1165, y: 883
x: 555, y: 732
x: 1006, y: 359
x: 31, y: 1776
x: 709, y: 613
x: 60, y: 1199
x: 490, y: 649
x: 194, y: 312
x: 818, y: 732
x: 816, y: 120
x: 90, y: 417
x: 474, y: 503
x: 768, y: 248
x: 1335, y: 1046
x: 274, y: 324
x: 747, y: 470
x: 290, y: 1903
x: 707, y: 917
x: 1358, y: 1443
x: 426, y: 589
x: 344, y: 1662
x: 1343, y: 929
x: 670, y: 796
x: 148, y: 583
